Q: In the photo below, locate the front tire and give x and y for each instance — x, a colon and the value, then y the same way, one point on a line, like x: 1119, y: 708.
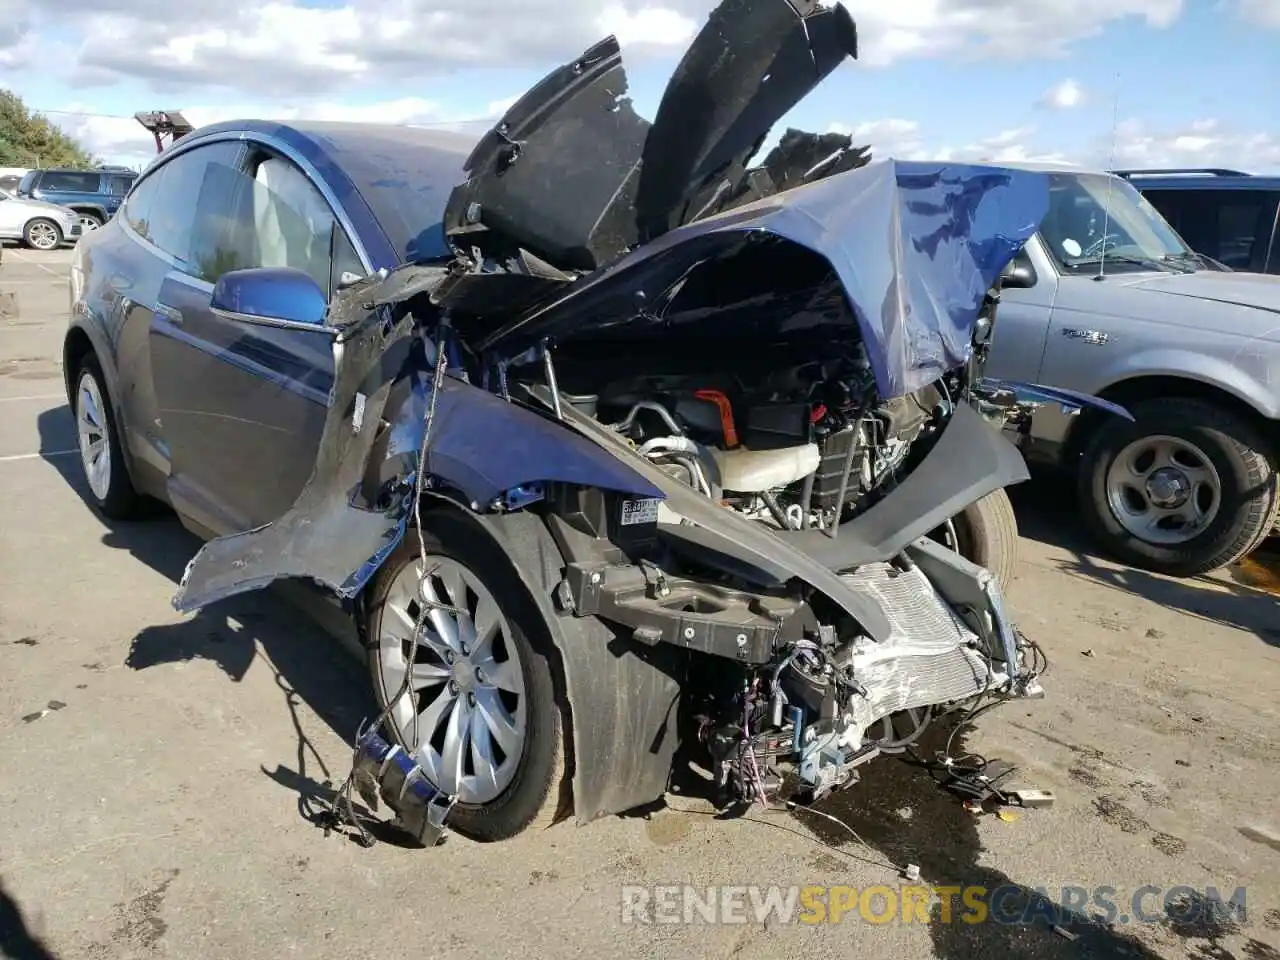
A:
x: 110, y: 489
x: 486, y: 699
x: 986, y: 533
x: 42, y: 234
x: 1186, y: 488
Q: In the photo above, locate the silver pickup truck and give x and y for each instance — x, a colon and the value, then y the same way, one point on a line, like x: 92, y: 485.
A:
x: 1107, y: 299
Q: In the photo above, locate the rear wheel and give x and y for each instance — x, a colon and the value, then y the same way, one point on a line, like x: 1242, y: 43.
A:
x: 985, y: 533
x: 483, y: 714
x: 42, y: 234
x: 88, y: 221
x: 105, y: 474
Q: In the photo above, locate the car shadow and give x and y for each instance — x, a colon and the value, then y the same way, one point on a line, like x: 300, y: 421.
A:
x: 266, y: 626
x: 1237, y: 597
x: 17, y: 942
x: 900, y: 814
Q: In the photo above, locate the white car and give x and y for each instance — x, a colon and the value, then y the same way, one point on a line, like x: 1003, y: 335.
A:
x: 40, y: 225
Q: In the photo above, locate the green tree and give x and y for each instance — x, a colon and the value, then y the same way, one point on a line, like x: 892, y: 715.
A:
x: 28, y: 139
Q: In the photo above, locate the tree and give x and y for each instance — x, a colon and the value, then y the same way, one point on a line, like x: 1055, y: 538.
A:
x: 28, y: 139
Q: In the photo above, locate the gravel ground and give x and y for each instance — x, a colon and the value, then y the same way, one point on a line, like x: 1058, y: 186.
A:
x: 160, y: 772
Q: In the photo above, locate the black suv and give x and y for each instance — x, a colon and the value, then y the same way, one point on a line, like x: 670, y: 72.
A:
x: 94, y: 194
x: 1227, y: 215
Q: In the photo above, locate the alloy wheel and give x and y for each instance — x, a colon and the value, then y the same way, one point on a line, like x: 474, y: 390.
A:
x: 88, y: 223
x: 43, y: 236
x: 93, y: 429
x: 465, y: 714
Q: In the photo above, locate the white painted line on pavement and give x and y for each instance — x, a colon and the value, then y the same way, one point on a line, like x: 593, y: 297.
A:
x: 37, y: 456
x: 34, y: 396
x: 37, y: 263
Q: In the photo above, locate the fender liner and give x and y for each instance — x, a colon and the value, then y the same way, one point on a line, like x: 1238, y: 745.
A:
x: 623, y: 697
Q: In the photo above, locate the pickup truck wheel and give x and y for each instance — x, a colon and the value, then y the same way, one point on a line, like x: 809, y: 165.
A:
x: 986, y: 533
x: 1186, y: 488
x: 482, y: 715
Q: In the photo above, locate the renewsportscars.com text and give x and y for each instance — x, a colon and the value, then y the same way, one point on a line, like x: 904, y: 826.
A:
x: 881, y: 904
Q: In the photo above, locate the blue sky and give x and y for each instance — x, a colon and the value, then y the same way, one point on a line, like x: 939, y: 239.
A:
x: 1192, y: 82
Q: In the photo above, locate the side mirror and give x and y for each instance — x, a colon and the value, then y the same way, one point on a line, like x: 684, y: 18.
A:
x: 1018, y: 274
x: 279, y: 296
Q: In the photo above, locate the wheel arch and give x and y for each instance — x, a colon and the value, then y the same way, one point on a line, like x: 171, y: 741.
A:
x: 77, y: 344
x: 97, y: 209
x: 1161, y: 386
x: 622, y: 698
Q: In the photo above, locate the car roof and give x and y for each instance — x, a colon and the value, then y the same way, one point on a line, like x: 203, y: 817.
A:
x: 1205, y: 179
x: 403, y: 174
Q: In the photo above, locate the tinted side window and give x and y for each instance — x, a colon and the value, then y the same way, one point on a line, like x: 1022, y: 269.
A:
x: 1190, y: 212
x: 137, y: 209
x: 28, y: 182
x: 69, y: 182
x: 275, y: 218
x: 1168, y: 203
x: 119, y: 186
x: 171, y: 214
x: 1244, y: 223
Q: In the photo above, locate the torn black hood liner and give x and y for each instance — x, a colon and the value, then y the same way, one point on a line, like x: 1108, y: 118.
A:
x: 572, y: 174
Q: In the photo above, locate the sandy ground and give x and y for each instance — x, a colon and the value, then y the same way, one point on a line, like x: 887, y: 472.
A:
x: 158, y: 774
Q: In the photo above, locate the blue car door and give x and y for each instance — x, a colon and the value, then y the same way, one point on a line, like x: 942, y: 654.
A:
x: 242, y: 404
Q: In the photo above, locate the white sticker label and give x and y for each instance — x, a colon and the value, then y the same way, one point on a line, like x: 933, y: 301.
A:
x: 639, y: 511
x: 357, y: 415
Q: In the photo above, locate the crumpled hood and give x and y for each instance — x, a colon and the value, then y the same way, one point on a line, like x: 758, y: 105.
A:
x: 915, y: 247
x: 1257, y: 290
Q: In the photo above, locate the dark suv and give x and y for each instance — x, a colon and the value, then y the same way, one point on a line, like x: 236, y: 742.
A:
x: 1227, y: 215
x: 94, y: 194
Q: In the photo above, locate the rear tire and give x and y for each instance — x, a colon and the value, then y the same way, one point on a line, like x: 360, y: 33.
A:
x: 536, y: 792
x: 986, y: 533
x: 1233, y: 455
x: 110, y: 488
x: 89, y: 221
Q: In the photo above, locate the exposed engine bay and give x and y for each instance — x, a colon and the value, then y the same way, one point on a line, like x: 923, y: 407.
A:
x: 785, y: 442
x: 807, y: 446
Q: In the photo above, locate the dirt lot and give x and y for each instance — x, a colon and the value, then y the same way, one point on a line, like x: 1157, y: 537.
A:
x: 159, y: 772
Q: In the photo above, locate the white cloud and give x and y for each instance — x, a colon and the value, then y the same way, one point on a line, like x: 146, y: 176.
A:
x: 905, y: 140
x: 892, y: 137
x: 296, y: 48
x: 1201, y: 143
x: 1265, y: 13
x: 1066, y: 95
x: 1011, y: 29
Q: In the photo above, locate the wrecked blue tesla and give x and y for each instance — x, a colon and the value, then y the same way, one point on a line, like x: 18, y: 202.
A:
x: 607, y: 440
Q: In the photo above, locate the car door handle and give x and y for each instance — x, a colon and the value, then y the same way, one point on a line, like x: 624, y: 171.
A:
x: 172, y: 314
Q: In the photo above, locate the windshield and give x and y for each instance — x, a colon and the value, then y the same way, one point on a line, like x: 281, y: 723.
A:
x: 1092, y: 215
